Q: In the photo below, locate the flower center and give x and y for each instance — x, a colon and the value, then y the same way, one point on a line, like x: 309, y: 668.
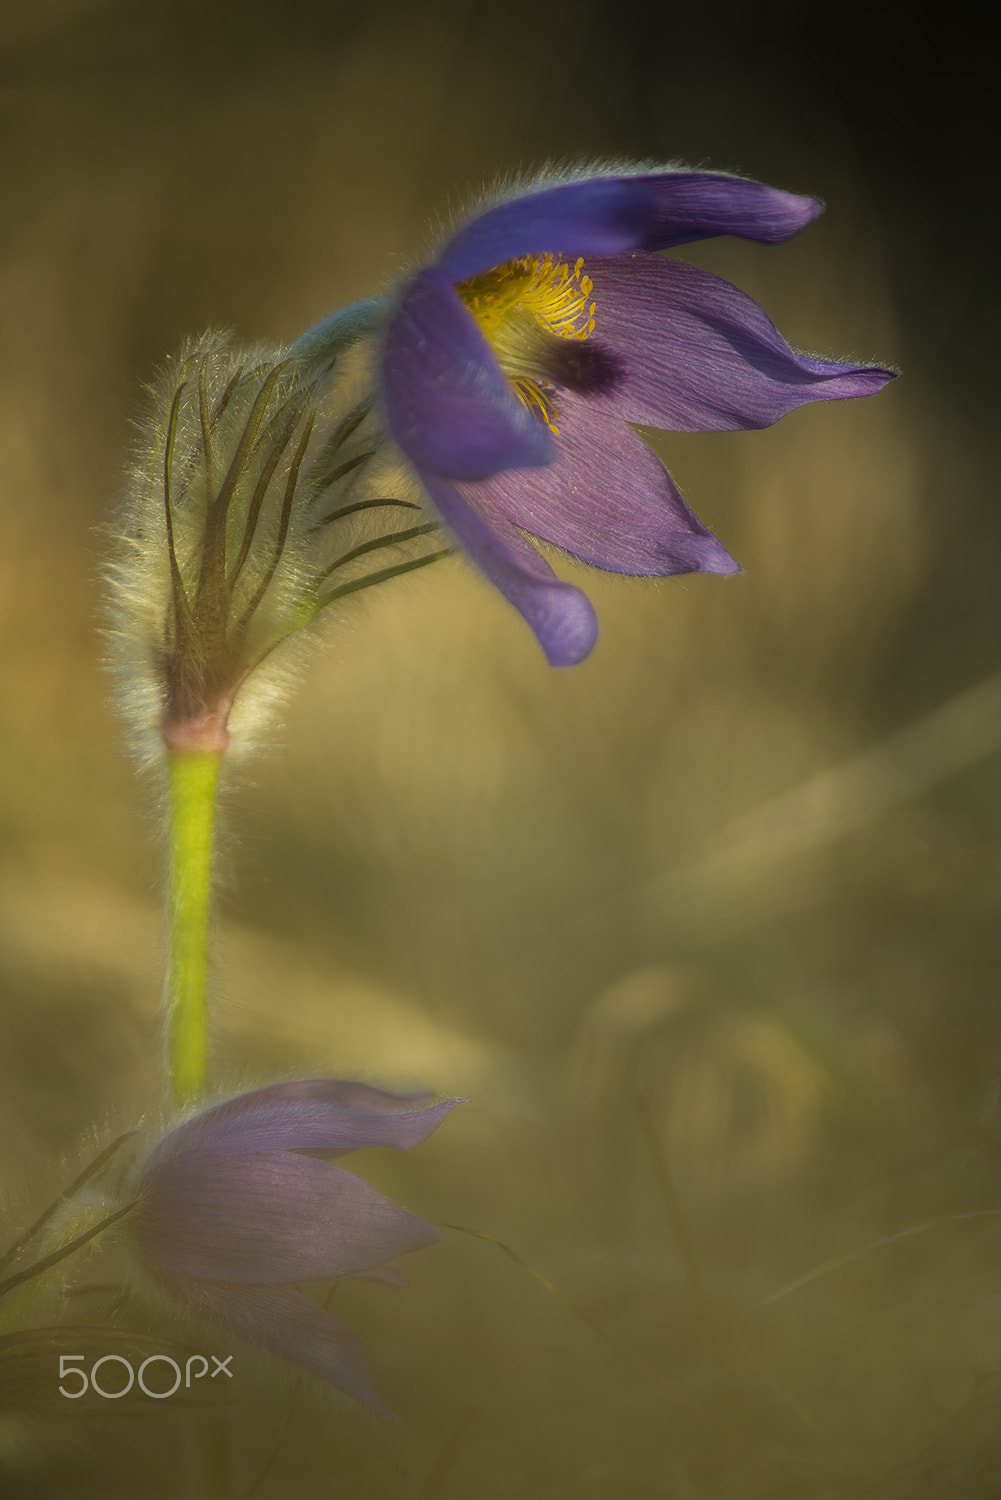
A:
x: 525, y: 307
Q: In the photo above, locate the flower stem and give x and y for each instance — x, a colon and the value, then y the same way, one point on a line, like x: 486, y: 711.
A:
x: 194, y: 777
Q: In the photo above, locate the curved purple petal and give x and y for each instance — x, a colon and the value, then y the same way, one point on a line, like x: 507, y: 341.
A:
x: 609, y: 501
x: 342, y: 1091
x: 277, y: 1124
x: 283, y: 1321
x: 450, y: 406
x: 696, y: 354
x: 329, y: 1091
x: 560, y: 614
x: 269, y: 1217
x: 700, y: 205
x: 608, y: 215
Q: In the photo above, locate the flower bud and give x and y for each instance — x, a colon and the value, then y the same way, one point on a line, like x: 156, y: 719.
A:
x: 257, y: 496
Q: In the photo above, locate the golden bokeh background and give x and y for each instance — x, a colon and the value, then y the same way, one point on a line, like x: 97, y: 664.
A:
x: 704, y: 930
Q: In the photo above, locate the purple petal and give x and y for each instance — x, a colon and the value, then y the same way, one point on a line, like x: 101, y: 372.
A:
x: 339, y: 1091
x: 450, y: 406
x: 283, y: 1321
x: 695, y: 354
x: 328, y: 1090
x: 699, y: 205
x: 560, y: 614
x: 608, y: 215
x: 608, y: 500
x: 277, y: 1124
x: 270, y: 1217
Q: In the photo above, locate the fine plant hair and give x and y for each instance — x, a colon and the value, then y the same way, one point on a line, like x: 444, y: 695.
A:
x: 261, y: 488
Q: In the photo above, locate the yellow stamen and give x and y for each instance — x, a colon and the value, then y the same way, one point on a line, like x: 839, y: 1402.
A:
x: 536, y: 397
x: 519, y: 305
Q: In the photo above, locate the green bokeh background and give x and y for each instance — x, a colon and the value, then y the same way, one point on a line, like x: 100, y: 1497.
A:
x: 739, y: 870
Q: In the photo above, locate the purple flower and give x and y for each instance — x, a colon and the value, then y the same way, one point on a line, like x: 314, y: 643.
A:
x: 241, y: 1202
x: 512, y: 365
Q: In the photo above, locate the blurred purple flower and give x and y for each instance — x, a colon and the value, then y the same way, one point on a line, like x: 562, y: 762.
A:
x: 512, y: 365
x: 241, y: 1202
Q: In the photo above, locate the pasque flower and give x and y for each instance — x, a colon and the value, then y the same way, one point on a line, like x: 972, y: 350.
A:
x: 512, y: 365
x: 241, y: 1202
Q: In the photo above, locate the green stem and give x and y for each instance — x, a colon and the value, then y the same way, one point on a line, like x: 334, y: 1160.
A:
x: 194, y: 777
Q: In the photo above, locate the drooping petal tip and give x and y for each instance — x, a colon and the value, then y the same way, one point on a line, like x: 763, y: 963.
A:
x: 845, y: 382
x: 710, y: 556
x: 284, y: 1322
x: 559, y: 613
x: 566, y: 625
